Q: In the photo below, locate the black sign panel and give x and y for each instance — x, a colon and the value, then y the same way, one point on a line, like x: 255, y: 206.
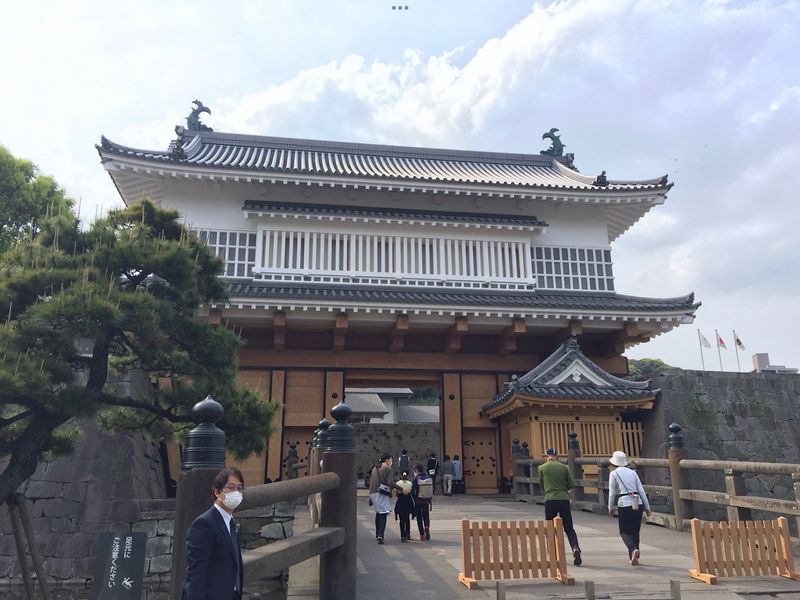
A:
x: 119, y: 567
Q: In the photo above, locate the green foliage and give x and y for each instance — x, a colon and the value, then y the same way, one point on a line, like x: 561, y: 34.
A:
x: 642, y: 369
x: 129, y: 289
x: 26, y: 198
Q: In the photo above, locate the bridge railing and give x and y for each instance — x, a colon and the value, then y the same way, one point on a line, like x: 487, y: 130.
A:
x: 592, y: 494
x: 330, y: 488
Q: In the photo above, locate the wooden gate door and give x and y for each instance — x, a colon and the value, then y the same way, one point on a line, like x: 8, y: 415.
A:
x: 480, y: 460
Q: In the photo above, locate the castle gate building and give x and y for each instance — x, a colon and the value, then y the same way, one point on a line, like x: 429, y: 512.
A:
x: 358, y: 265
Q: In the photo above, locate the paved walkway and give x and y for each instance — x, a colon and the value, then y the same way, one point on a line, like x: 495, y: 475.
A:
x: 430, y: 569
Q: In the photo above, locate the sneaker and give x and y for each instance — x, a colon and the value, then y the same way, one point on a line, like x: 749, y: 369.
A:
x: 380, y: 540
x: 421, y: 538
x: 427, y: 535
x: 403, y: 540
x: 635, y: 557
x: 577, y: 560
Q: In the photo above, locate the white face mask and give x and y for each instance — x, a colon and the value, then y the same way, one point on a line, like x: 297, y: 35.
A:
x: 232, y: 500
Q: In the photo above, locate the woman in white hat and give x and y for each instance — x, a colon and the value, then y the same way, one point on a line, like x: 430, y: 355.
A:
x: 625, y: 490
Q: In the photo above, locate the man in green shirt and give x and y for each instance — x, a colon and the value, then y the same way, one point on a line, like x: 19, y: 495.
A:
x: 556, y: 481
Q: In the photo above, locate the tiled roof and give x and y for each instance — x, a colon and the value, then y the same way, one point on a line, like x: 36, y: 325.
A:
x: 540, y: 382
x: 466, y: 298
x: 392, y: 214
x: 273, y: 155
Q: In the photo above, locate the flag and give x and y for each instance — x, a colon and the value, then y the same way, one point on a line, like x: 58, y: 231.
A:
x: 703, y: 341
x: 737, y: 341
x: 721, y: 342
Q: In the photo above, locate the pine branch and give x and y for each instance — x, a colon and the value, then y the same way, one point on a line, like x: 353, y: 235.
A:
x: 155, y: 409
x: 15, y: 418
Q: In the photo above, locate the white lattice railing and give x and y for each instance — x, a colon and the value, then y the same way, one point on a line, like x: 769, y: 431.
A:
x: 359, y: 256
x: 409, y: 260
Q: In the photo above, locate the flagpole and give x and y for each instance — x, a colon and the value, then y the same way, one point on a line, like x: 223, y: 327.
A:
x: 719, y: 354
x: 700, y: 343
x: 736, y: 347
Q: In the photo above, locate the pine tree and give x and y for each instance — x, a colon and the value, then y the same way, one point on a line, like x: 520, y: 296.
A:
x: 76, y: 306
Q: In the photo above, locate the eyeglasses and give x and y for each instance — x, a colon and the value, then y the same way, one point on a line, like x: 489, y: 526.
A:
x: 233, y: 487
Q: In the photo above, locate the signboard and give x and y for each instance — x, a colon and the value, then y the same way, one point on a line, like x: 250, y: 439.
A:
x: 119, y: 566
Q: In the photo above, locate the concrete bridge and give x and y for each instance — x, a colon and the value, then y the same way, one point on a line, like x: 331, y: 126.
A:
x: 425, y: 570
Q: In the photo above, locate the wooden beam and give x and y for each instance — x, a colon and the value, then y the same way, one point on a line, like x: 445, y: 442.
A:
x: 282, y: 554
x: 507, y: 342
x: 574, y: 327
x: 340, y: 332
x: 279, y: 330
x: 399, y: 331
x: 454, y: 334
x: 215, y: 316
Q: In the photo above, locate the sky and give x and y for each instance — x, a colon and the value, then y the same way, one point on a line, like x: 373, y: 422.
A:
x: 707, y: 92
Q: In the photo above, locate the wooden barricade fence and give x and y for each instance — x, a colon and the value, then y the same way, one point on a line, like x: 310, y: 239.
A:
x: 741, y: 548
x: 513, y: 550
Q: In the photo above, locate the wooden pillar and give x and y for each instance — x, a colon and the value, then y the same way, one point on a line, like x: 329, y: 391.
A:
x: 451, y: 415
x: 682, y: 508
x: 276, y: 439
x: 576, y: 470
x: 734, y: 486
x: 337, y: 567
x: 334, y: 390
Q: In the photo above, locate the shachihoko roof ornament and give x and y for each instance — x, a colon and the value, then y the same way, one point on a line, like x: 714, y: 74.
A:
x: 556, y: 147
x: 193, y: 122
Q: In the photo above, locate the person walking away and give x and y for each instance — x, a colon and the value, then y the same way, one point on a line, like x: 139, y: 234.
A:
x: 433, y: 466
x: 626, y: 492
x: 422, y: 491
x: 380, y: 493
x: 214, y: 569
x: 448, y: 474
x: 404, y: 462
x: 556, y: 481
x: 458, y: 475
x: 404, y: 507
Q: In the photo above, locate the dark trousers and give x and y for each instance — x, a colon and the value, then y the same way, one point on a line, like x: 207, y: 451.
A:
x: 405, y: 525
x: 630, y: 522
x: 423, y: 518
x: 380, y: 524
x: 562, y: 508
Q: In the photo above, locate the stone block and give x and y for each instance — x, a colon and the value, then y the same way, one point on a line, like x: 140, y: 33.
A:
x: 75, y: 491
x: 5, y: 565
x: 44, y: 489
x: 125, y: 510
x: 159, y: 545
x: 288, y: 529
x: 165, y: 527
x: 60, y: 568
x: 149, y: 527
x: 83, y: 568
x: 97, y: 511
x: 273, y: 531
x: 284, y: 509
x: 159, y: 564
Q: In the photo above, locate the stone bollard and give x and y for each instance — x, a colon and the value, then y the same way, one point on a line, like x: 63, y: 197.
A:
x: 515, y: 454
x: 682, y: 508
x: 203, y: 457
x: 576, y: 470
x: 337, y: 567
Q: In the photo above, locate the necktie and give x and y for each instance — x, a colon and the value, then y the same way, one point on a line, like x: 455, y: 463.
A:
x: 235, y: 542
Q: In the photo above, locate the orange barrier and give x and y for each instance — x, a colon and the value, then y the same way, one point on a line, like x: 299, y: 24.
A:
x: 512, y: 550
x: 741, y: 548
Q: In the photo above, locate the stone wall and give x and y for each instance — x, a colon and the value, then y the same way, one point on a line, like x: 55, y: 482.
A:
x: 111, y: 483
x: 372, y: 440
x: 728, y: 416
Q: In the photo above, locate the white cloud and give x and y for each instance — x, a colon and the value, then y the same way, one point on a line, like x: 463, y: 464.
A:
x: 707, y: 92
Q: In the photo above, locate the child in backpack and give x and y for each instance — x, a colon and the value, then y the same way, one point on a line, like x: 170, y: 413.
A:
x: 422, y: 492
x: 404, y: 507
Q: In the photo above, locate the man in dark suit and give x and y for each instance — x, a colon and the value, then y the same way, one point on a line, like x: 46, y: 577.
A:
x: 214, y: 569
